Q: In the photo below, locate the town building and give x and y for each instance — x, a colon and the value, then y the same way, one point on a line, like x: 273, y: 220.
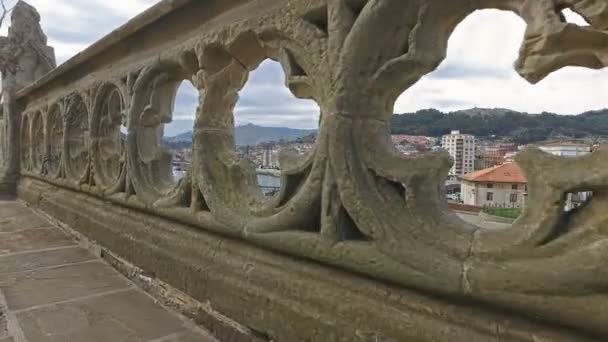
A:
x: 407, y: 149
x: 499, y: 186
x: 566, y: 148
x: 570, y: 149
x: 509, y: 157
x: 412, y: 144
x: 492, y: 153
x: 461, y: 148
x: 271, y: 157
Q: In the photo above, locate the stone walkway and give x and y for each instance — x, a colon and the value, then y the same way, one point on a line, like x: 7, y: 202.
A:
x: 53, y: 290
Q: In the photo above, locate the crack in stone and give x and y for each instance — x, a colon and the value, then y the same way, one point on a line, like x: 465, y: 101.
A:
x: 465, y: 283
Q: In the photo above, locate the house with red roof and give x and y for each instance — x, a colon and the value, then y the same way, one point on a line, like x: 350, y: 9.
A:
x: 499, y: 186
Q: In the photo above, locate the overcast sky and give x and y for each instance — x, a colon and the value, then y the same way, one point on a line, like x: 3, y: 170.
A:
x: 478, y: 71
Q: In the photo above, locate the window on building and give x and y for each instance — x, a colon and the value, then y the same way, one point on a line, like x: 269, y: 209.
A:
x: 513, y: 198
x: 490, y: 185
x: 490, y: 196
x: 514, y: 187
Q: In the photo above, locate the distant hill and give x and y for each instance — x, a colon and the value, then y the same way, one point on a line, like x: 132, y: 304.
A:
x: 523, y: 128
x: 250, y: 135
x: 179, y: 141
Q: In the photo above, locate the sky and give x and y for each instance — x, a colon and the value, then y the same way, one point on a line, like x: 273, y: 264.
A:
x: 478, y: 70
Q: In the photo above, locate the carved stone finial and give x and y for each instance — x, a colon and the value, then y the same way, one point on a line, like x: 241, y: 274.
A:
x: 24, y: 54
x: 23, y: 13
x: 24, y: 58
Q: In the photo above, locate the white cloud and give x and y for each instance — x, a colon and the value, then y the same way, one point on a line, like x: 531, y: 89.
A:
x: 265, y: 100
x: 72, y: 25
x: 478, y: 71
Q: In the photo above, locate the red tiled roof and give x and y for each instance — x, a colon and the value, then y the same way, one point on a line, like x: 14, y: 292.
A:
x: 505, y: 173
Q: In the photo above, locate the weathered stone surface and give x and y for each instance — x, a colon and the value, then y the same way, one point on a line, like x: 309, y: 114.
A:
x: 280, y: 296
x: 122, y: 317
x: 36, y: 259
x: 10, y: 209
x: 22, y: 221
x: 186, y: 337
x: 48, y: 286
x: 68, y: 305
x: 33, y: 239
x: 24, y: 58
x: 353, y: 204
x: 3, y: 323
x: 25, y: 54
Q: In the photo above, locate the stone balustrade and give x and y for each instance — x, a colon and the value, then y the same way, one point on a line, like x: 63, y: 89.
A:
x: 359, y: 245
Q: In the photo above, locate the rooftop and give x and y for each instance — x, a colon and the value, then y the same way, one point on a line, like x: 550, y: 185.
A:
x: 505, y: 173
x: 568, y: 143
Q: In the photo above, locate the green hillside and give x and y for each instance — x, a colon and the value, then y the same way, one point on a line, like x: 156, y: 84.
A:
x: 523, y: 128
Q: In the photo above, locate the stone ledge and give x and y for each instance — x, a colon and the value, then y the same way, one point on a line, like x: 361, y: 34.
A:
x: 135, y: 24
x: 220, y: 326
x: 275, y: 296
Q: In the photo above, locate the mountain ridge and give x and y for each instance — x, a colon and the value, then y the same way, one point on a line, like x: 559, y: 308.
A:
x: 521, y: 127
x: 252, y: 135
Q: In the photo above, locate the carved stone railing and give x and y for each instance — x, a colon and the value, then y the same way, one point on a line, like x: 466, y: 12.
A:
x: 24, y: 57
x: 353, y: 203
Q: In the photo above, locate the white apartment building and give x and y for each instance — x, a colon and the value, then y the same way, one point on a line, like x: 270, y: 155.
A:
x: 271, y: 158
x: 461, y: 148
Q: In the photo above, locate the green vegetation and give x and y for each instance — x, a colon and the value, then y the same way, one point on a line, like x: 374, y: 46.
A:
x: 309, y: 139
x: 511, y: 213
x: 522, y: 128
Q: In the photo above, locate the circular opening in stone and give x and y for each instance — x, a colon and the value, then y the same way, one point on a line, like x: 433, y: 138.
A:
x: 569, y: 16
x: 177, y: 135
x: 163, y: 127
x: 476, y: 108
x: 270, y: 121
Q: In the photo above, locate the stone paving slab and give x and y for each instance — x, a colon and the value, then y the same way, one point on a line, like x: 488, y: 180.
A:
x: 52, y: 290
x: 10, y: 209
x: 18, y: 222
x: 32, y: 239
x: 121, y: 317
x: 24, y: 262
x: 42, y: 287
x: 181, y: 337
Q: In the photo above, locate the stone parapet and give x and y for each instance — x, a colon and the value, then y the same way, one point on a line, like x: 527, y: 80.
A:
x: 314, y: 262
x: 271, y: 295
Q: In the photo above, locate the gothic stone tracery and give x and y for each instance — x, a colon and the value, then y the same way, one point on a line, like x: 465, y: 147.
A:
x: 345, y: 203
